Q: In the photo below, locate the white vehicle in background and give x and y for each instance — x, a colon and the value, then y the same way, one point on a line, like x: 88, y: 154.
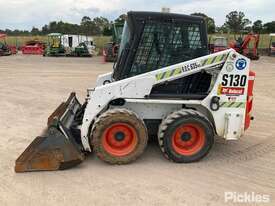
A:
x: 78, y: 45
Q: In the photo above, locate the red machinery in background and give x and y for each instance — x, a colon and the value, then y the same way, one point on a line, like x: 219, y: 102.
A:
x: 241, y: 45
x: 34, y: 47
x: 271, y: 45
x: 13, y: 49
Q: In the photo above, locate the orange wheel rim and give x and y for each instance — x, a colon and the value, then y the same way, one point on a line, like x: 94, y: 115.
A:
x: 120, y: 139
x: 188, y: 139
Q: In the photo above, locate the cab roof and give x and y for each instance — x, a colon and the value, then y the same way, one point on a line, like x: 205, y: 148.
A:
x: 146, y: 15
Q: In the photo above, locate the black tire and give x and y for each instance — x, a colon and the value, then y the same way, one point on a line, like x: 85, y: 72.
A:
x: 182, y: 119
x: 100, y: 134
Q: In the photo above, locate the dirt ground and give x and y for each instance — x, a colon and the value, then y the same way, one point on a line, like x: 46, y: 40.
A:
x: 31, y: 87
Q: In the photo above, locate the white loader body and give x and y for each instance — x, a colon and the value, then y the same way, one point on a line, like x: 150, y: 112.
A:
x: 185, y: 105
x: 230, y: 76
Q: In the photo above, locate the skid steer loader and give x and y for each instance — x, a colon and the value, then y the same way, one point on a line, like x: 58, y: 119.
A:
x: 164, y: 84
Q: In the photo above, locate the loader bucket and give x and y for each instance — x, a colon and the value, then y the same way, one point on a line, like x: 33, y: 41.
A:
x: 56, y: 148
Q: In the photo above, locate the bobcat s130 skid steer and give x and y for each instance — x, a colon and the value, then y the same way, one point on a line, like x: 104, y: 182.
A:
x: 163, y: 84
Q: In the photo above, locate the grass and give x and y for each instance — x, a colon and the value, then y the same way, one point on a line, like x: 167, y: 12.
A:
x: 101, y: 40
x: 21, y: 40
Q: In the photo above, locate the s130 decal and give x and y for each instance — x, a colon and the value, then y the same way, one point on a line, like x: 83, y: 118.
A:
x: 234, y: 80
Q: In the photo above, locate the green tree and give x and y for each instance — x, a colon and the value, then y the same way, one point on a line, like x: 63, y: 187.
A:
x: 121, y: 19
x: 257, y: 26
x: 211, y: 27
x: 222, y: 29
x: 35, y: 31
x: 101, y: 23
x: 269, y: 27
x: 236, y: 21
x: 53, y: 27
x: 85, y: 25
x: 248, y: 29
x: 107, y: 31
x: 85, y: 20
x: 45, y: 29
x: 89, y: 27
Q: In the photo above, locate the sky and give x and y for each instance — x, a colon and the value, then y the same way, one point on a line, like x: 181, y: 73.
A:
x: 24, y: 14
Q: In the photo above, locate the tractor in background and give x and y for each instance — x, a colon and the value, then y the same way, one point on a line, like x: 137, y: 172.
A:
x: 80, y: 51
x: 241, y: 45
x: 272, y: 45
x: 78, y: 45
x: 35, y: 47
x: 5, y: 49
x: 110, y: 50
x: 54, y: 46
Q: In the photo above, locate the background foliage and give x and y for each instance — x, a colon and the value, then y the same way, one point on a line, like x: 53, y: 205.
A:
x: 101, y: 29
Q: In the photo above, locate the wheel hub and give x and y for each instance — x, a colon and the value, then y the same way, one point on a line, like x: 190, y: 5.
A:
x: 119, y: 136
x: 186, y: 136
x: 120, y: 139
x: 188, y: 139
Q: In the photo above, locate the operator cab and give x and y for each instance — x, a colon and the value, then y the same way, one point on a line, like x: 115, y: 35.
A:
x: 239, y: 42
x: 152, y: 40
